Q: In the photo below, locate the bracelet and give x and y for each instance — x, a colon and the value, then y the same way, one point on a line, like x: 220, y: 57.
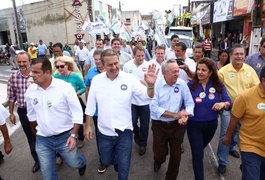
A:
x: 150, y: 87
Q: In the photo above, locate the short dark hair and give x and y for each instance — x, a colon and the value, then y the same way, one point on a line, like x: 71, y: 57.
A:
x: 237, y: 46
x: 228, y: 56
x: 97, y: 52
x: 115, y: 39
x: 58, y: 44
x: 46, y: 64
x: 174, y: 36
x: 107, y: 52
x: 160, y: 47
x: 182, y: 45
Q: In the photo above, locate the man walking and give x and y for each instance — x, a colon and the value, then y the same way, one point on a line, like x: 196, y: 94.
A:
x: 16, y: 88
x: 55, y: 115
x: 168, y: 118
x: 111, y: 93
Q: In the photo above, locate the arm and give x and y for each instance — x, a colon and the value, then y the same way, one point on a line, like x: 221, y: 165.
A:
x: 230, y: 130
x: 7, y: 143
x: 88, y: 129
x: 12, y: 116
x: 33, y: 125
x: 150, y: 78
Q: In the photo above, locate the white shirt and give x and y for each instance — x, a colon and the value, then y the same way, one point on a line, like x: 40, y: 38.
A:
x: 113, y: 99
x: 124, y: 57
x: 192, y: 66
x: 170, y: 54
x: 55, y: 109
x: 4, y: 114
x: 131, y: 68
x: 82, y: 54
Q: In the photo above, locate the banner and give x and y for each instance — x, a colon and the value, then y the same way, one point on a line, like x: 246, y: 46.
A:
x: 242, y: 7
x: 222, y: 10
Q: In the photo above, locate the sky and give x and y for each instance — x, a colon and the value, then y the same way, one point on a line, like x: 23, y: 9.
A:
x: 144, y: 6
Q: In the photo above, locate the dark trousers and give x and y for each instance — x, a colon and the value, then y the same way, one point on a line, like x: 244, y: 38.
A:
x: 168, y: 135
x: 81, y: 136
x: 200, y: 134
x: 22, y: 113
x: 142, y: 112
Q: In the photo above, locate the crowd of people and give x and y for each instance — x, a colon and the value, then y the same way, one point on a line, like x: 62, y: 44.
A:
x: 121, y: 84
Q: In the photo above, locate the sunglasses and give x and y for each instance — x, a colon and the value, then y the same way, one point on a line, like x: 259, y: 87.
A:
x: 61, y: 66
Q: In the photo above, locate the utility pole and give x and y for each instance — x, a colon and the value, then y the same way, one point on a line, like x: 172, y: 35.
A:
x: 19, y: 39
x: 89, y: 9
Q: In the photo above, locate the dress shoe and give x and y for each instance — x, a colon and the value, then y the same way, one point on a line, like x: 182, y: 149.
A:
x: 221, y: 169
x: 234, y: 153
x: 102, y: 168
x: 142, y: 150
x: 36, y: 167
x: 157, y: 166
x: 82, y: 170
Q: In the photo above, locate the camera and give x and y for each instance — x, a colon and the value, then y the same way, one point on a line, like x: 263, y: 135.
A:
x: 180, y: 61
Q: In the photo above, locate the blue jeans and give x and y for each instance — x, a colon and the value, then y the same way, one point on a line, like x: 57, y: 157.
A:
x: 253, y: 166
x: 47, y: 147
x: 142, y: 112
x: 200, y: 134
x: 117, y: 150
x: 223, y: 150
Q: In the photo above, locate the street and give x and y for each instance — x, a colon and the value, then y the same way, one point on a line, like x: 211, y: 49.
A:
x: 18, y: 164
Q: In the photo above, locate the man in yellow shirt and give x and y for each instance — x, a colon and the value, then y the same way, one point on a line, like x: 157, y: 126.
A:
x: 249, y: 108
x: 32, y: 50
x: 237, y: 77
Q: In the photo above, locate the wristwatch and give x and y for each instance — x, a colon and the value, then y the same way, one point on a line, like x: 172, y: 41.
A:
x: 74, y: 136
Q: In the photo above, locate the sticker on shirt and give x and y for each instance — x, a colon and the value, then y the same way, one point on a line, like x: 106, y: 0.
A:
x: 211, y: 96
x: 258, y: 65
x: 202, y: 95
x: 130, y: 71
x: 35, y: 101
x: 198, y: 100
x: 261, y: 106
x: 248, y: 74
x: 144, y: 69
x: 231, y: 75
x: 212, y: 90
x: 49, y: 103
x: 124, y: 87
x: 176, y: 89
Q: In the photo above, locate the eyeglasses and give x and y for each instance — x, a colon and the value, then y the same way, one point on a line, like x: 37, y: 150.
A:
x: 61, y: 66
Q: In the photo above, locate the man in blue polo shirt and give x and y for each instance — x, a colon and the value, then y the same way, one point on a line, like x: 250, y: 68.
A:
x: 42, y: 49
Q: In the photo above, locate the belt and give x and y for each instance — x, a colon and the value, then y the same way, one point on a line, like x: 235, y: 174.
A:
x: 164, y: 122
x: 63, y: 133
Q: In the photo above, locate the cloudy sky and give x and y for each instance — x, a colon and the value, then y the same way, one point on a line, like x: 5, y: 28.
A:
x: 143, y: 5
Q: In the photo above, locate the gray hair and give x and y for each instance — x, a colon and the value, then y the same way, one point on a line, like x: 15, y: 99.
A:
x: 22, y: 53
x: 165, y: 63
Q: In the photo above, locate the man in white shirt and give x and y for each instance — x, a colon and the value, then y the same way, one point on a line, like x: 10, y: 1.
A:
x: 140, y: 107
x: 159, y: 58
x: 111, y: 93
x: 187, y: 66
x: 55, y: 115
x: 82, y: 57
x: 170, y: 53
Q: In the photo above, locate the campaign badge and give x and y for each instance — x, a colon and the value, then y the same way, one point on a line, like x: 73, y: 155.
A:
x: 202, y: 95
x: 198, y: 100
x: 124, y: 87
x: 261, y: 106
x: 49, y: 103
x: 35, y: 101
x: 212, y: 90
x: 211, y: 96
x: 176, y: 89
x: 144, y: 69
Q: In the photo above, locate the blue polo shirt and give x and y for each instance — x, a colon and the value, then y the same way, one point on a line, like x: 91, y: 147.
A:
x: 204, y: 101
x: 256, y: 61
x: 93, y: 71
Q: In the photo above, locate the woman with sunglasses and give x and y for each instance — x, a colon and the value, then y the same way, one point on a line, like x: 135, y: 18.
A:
x: 65, y: 66
x: 210, y: 97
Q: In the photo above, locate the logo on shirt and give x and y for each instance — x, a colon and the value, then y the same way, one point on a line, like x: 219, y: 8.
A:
x: 124, y: 87
x: 231, y: 75
x: 261, y: 106
x: 211, y: 96
x: 176, y: 89
x: 144, y: 69
x: 49, y: 103
x: 35, y: 101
